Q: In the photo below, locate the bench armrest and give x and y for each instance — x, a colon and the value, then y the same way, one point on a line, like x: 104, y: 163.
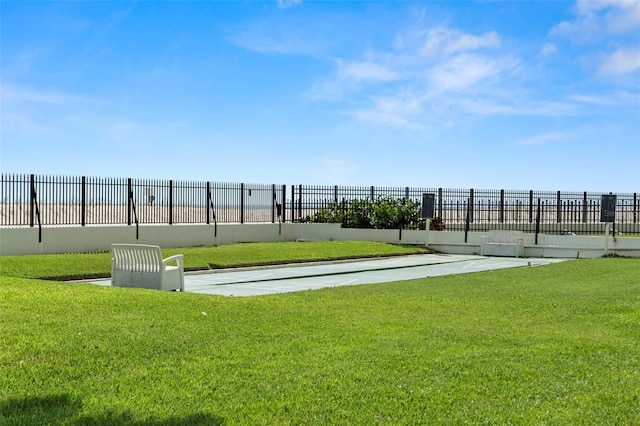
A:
x: 178, y: 258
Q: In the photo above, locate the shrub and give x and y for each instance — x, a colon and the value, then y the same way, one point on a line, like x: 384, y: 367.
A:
x: 383, y: 213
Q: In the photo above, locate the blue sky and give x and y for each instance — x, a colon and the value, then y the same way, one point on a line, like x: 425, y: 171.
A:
x: 538, y: 95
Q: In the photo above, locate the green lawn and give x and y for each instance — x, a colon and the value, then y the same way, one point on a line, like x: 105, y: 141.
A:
x: 556, y: 345
x: 97, y: 265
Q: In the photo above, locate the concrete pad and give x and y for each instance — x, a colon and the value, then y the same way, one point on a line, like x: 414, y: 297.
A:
x: 310, y: 276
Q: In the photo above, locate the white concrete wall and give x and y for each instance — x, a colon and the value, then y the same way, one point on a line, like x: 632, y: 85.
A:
x: 18, y: 241
x: 333, y: 231
x: 560, y: 246
x: 95, y: 238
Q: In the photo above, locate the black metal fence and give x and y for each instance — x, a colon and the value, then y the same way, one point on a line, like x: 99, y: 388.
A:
x: 480, y: 210
x: 34, y: 200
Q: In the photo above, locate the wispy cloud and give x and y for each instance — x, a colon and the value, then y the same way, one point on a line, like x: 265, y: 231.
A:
x: 331, y: 169
x: 443, y: 40
x: 545, y: 138
x: 286, y: 4
x: 612, y: 16
x: 610, y: 25
x: 21, y: 94
x: 35, y: 111
x: 261, y: 41
x: 517, y: 106
x: 593, y: 99
x: 547, y: 49
x: 467, y: 71
x: 596, y: 19
x: 365, y: 71
x: 22, y: 63
x: 430, y: 76
x: 404, y: 110
x: 410, y: 85
x: 622, y: 61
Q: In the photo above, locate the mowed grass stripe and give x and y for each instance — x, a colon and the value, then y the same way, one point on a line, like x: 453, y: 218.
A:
x: 97, y: 265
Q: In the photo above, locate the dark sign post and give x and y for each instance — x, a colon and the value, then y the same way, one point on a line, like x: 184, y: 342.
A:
x: 608, y: 208
x: 428, y: 205
x: 608, y: 216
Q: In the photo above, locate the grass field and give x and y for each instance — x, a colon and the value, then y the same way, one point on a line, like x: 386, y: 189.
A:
x: 556, y: 345
x: 97, y: 265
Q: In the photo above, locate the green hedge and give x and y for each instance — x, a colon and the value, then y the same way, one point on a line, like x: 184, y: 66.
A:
x: 382, y: 213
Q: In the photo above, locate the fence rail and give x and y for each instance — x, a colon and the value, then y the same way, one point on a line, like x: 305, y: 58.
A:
x: 35, y: 200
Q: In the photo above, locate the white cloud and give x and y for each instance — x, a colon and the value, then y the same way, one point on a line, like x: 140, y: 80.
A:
x: 286, y: 4
x: 613, y: 98
x: 613, y: 16
x: 332, y: 170
x: 365, y: 71
x: 544, y: 138
x: 410, y: 85
x: 22, y: 63
x: 13, y: 94
x: 564, y: 28
x: 443, y: 40
x: 516, y: 106
x: 593, y: 99
x: 622, y: 61
x: 404, y: 110
x: 607, y: 32
x: 23, y: 123
x: 596, y: 19
x: 547, y: 49
x: 262, y: 41
x: 466, y: 71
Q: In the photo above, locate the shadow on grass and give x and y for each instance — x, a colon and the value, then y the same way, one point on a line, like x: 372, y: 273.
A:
x: 63, y: 409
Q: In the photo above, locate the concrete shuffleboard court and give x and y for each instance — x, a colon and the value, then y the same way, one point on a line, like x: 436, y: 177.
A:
x: 311, y: 276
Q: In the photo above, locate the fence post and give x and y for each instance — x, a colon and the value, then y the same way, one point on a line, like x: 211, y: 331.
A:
x: 559, y: 208
x: 530, y: 206
x: 83, y: 207
x: 33, y: 197
x: 470, y: 205
x: 467, y: 219
x: 273, y: 203
x: 501, y: 212
x: 284, y: 203
x: 170, y: 202
x: 293, y: 203
x: 129, y: 197
x: 335, y: 194
x: 440, y: 203
x: 538, y: 221
x: 373, y: 192
x: 35, y: 210
x: 209, y: 205
x: 584, y: 207
x: 242, y: 203
x: 635, y: 207
x: 300, y: 202
x: 206, y: 202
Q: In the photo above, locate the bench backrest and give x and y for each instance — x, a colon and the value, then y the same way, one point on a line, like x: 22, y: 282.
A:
x: 136, y: 257
x: 504, y: 237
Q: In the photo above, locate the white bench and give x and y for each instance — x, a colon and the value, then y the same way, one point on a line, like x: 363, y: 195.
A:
x: 138, y: 265
x: 502, y: 243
